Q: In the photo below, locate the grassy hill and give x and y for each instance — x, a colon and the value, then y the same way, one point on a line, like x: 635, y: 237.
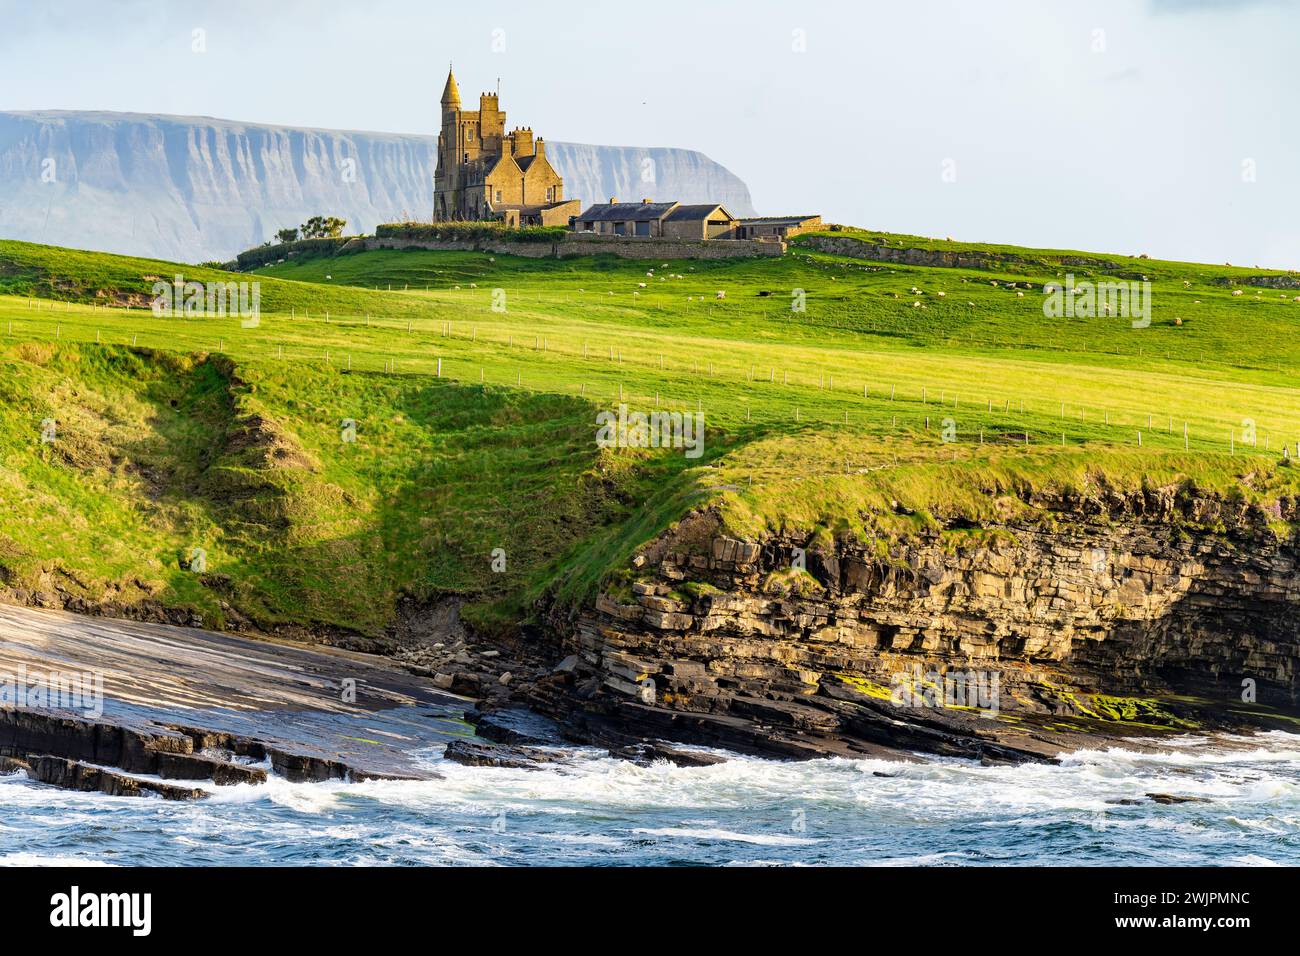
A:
x: 474, y: 380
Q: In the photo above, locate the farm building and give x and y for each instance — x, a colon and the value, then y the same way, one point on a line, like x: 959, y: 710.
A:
x: 670, y: 220
x: 673, y: 220
x: 776, y: 227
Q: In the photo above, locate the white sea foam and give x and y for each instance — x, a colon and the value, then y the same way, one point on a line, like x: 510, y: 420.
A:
x: 925, y: 859
x: 40, y: 859
x: 690, y: 833
x: 600, y: 809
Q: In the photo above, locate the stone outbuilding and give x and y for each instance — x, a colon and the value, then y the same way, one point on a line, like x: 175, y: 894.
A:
x: 614, y: 218
x: 776, y: 227
x: 653, y: 220
x: 702, y: 221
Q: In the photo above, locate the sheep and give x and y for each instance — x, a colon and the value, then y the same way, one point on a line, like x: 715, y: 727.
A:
x: 1236, y: 292
x: 916, y: 305
x: 473, y: 285
x: 941, y: 294
x: 1020, y: 295
x: 721, y: 294
x: 640, y: 285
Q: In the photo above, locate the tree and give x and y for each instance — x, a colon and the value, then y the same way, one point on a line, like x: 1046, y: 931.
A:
x: 287, y: 235
x: 323, y: 227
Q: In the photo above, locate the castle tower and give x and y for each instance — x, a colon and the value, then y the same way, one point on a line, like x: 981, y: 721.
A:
x: 445, y: 179
x: 484, y: 173
x: 450, y: 93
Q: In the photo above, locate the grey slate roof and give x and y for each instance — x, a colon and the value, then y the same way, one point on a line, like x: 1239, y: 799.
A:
x: 776, y: 220
x: 696, y: 212
x: 626, y: 211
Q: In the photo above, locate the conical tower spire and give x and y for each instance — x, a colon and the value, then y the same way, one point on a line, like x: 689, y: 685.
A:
x: 451, y: 92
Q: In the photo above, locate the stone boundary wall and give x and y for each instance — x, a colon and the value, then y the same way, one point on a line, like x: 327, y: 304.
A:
x: 857, y: 248
x: 625, y: 247
x: 940, y: 258
x: 649, y: 247
x: 532, y: 250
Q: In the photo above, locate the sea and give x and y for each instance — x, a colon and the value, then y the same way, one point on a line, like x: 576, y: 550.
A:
x: 1092, y: 808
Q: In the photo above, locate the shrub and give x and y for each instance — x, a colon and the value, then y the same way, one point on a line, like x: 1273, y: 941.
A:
x: 468, y: 232
x: 260, y: 256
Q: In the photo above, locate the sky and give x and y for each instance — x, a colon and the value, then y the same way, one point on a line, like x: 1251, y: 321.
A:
x: 1166, y: 127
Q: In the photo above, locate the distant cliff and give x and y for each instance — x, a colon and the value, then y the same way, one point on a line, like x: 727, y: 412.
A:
x: 195, y: 188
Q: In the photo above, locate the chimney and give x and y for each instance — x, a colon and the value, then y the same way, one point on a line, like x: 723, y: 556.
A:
x: 539, y: 148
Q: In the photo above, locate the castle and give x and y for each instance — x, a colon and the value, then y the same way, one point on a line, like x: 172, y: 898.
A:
x: 483, y: 172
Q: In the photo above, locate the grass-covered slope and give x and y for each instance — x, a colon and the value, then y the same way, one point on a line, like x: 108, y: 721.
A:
x: 301, y: 517
x: 475, y: 381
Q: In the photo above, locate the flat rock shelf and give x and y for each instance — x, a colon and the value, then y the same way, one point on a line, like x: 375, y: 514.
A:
x: 164, y: 703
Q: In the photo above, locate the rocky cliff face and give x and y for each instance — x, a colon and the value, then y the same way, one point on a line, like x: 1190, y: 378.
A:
x: 1111, y: 615
x: 194, y: 188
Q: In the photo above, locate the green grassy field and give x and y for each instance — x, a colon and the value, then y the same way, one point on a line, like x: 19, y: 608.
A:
x: 474, y: 384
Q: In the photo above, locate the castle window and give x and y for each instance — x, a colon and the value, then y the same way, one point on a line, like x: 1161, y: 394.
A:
x: 498, y: 195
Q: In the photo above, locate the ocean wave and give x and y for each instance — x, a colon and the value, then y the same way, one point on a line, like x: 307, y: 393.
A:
x: 689, y: 833
x: 41, y: 859
x: 744, y: 811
